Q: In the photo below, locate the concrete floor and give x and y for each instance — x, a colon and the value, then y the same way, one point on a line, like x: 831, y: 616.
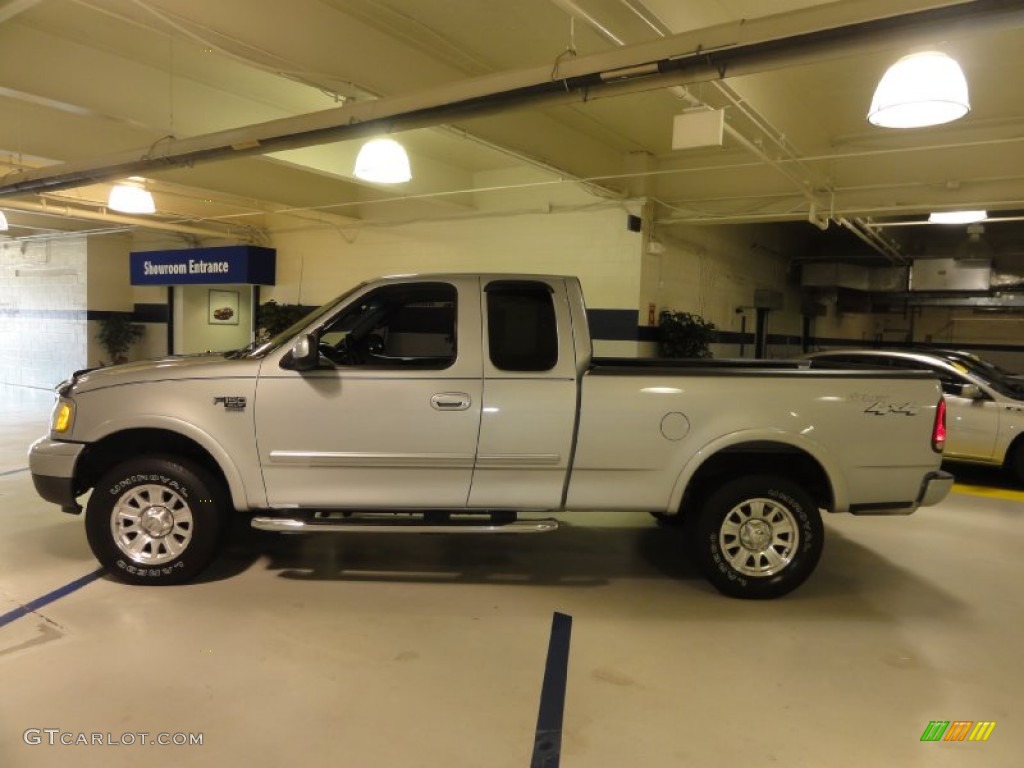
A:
x: 429, y: 651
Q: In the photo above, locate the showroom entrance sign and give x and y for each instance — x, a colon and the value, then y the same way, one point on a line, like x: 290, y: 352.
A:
x: 235, y: 264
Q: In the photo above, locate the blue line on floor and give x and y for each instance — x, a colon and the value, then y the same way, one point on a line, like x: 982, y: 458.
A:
x: 547, y: 745
x: 50, y: 597
x: 13, y: 471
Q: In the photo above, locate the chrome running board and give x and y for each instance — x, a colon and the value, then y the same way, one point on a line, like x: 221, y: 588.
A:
x: 322, y: 523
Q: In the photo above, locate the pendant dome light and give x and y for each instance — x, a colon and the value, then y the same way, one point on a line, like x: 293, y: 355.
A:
x: 128, y: 198
x: 383, y: 161
x: 921, y: 89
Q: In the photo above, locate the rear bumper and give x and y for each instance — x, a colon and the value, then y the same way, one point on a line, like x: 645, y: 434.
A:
x: 53, y: 471
x: 934, y: 488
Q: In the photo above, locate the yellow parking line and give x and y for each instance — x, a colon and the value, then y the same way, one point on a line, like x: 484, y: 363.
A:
x: 992, y: 493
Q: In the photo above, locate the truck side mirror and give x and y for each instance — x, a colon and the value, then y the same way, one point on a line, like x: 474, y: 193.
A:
x: 304, y: 354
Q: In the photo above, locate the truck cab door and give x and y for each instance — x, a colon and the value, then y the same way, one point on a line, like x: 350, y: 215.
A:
x: 390, y: 416
x: 530, y: 395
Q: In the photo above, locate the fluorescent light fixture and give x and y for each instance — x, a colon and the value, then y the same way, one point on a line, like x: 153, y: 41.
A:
x: 3, y: 222
x: 44, y: 270
x: 383, y: 161
x: 921, y: 89
x: 957, y: 217
x: 130, y: 199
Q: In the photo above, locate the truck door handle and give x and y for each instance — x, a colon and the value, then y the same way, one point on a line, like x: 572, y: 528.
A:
x: 450, y: 401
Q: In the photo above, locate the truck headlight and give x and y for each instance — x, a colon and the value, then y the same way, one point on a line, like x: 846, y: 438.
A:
x: 63, y: 415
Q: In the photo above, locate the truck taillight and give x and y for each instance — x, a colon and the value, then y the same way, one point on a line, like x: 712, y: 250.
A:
x: 939, y: 428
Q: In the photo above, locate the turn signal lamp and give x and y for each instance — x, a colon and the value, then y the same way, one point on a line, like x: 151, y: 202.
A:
x: 63, y: 418
x: 939, y: 429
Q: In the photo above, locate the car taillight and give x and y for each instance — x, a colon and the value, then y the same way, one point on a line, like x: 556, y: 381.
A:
x: 939, y: 428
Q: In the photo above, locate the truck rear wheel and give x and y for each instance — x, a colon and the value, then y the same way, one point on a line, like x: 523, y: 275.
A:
x: 757, y: 537
x: 156, y: 520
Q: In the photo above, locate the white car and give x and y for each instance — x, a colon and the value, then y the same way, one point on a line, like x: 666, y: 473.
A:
x: 986, y: 368
x: 985, y: 405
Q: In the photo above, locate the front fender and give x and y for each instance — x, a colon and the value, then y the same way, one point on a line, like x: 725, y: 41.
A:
x: 236, y: 483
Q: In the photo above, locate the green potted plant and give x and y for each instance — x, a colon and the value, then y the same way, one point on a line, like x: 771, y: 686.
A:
x: 117, y: 334
x: 683, y: 334
x: 272, y: 318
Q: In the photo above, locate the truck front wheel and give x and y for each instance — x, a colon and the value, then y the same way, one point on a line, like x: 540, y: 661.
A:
x: 155, y: 520
x: 757, y: 537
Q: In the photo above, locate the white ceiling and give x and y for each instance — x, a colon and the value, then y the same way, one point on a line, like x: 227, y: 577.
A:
x: 85, y: 83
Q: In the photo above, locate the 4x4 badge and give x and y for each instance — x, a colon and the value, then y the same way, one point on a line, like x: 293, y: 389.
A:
x: 230, y: 403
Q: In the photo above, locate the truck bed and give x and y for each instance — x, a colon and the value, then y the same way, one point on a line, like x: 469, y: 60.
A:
x: 654, y: 366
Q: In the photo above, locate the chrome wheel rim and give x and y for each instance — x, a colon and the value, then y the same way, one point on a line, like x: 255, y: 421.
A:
x: 759, y: 537
x: 151, y: 524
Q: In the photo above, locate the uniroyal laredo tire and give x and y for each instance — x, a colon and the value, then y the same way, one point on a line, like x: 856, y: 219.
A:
x: 757, y: 537
x: 156, y: 520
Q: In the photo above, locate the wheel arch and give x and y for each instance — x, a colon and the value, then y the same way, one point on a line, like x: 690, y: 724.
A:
x: 758, y: 454
x: 123, y: 444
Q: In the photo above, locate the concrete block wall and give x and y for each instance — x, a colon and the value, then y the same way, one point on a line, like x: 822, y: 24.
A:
x: 994, y: 336
x: 714, y: 271
x: 46, y: 289
x: 43, y: 303
x: 593, y: 243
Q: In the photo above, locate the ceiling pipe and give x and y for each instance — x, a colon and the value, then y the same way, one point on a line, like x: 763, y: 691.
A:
x: 926, y: 223
x: 811, y: 197
x: 113, y: 218
x: 807, y: 190
x: 874, y: 239
x: 715, y: 53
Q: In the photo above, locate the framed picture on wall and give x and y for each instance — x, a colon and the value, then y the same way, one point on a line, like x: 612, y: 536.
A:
x: 223, y: 307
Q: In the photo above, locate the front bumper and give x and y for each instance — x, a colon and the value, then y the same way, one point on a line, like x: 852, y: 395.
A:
x: 53, y: 471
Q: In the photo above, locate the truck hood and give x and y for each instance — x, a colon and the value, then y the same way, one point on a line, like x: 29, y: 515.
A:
x: 163, y: 369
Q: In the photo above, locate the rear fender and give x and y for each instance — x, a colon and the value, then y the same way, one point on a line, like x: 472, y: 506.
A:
x: 784, y: 440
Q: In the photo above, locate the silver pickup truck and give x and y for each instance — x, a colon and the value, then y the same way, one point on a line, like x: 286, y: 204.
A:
x: 457, y: 403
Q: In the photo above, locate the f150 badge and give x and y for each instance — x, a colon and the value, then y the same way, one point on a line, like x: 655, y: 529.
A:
x: 230, y: 403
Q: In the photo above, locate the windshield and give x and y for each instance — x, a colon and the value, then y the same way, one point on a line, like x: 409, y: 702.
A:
x: 989, y: 373
x: 259, y: 349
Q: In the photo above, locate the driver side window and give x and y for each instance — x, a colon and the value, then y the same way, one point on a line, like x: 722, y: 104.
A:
x: 395, y: 327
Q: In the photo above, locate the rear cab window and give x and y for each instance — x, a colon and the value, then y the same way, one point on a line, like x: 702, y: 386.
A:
x: 522, y: 328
